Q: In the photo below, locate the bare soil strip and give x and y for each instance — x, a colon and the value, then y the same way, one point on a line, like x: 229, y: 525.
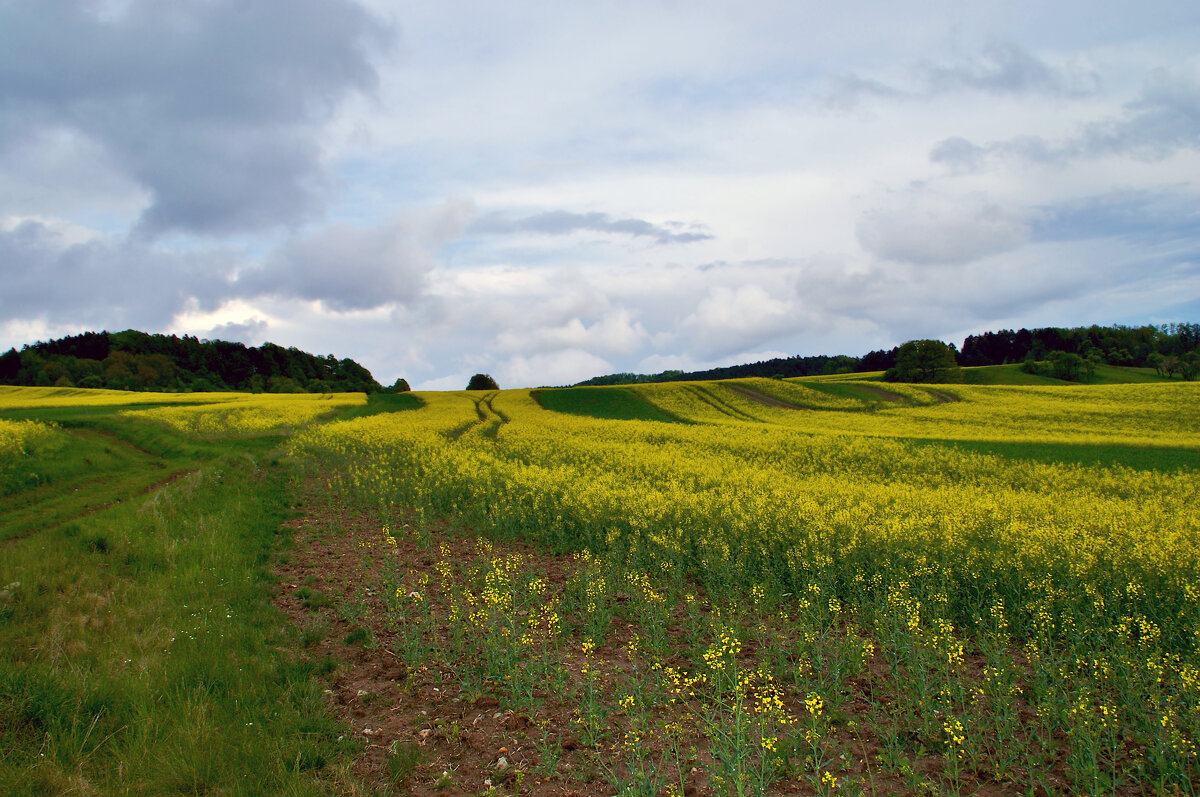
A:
x: 762, y: 398
x: 889, y: 397
x: 940, y: 397
x: 418, y: 712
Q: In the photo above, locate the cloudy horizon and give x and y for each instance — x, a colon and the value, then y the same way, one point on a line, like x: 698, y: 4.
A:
x: 552, y: 192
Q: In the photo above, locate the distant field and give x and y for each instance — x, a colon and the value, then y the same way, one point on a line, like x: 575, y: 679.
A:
x: 733, y: 587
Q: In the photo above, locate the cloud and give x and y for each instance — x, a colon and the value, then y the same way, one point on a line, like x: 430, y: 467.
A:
x: 1153, y: 218
x: 1007, y: 68
x: 214, y: 108
x: 733, y: 319
x: 564, y: 367
x: 49, y: 274
x: 847, y: 91
x: 1003, y: 68
x: 561, y: 222
x: 349, y: 268
x: 614, y: 333
x: 959, y: 154
x: 1163, y: 119
x: 926, y: 228
x: 251, y: 332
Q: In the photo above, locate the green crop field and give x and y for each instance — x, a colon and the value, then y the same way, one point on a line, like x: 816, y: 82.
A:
x: 809, y: 586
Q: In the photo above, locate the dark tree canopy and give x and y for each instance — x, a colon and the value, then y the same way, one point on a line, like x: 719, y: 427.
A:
x: 133, y: 360
x: 924, y: 361
x: 482, y: 382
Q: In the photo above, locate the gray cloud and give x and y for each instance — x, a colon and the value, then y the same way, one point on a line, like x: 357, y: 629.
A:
x: 924, y: 228
x: 561, y: 222
x: 350, y: 268
x: 1002, y: 68
x: 1163, y: 119
x: 1006, y: 68
x: 104, y: 284
x: 846, y: 91
x: 959, y: 154
x: 213, y: 107
x: 1156, y: 218
x: 252, y: 332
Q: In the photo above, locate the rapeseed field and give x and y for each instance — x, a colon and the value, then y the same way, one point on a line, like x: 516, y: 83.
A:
x: 743, y: 587
x: 901, y: 573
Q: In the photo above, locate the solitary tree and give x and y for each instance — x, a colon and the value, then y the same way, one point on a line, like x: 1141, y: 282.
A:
x: 400, y: 386
x: 482, y: 382
x: 924, y: 361
x: 1065, y: 365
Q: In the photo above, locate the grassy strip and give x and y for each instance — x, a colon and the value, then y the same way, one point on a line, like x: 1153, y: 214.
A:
x: 51, y: 506
x: 140, y: 652
x: 65, y: 457
x: 382, y: 402
x: 1085, y: 454
x: 867, y: 394
x: 613, y: 403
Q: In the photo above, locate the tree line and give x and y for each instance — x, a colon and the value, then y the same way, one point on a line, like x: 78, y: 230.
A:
x: 133, y: 360
x: 1070, y: 353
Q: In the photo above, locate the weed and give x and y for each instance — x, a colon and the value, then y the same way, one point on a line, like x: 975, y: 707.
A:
x: 358, y: 636
x: 402, y: 761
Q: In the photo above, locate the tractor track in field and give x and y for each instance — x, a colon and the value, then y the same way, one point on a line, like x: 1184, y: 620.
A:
x: 710, y: 398
x: 38, y: 509
x: 485, y: 416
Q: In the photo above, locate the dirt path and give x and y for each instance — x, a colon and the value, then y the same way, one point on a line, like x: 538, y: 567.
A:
x: 415, y: 723
x: 940, y: 397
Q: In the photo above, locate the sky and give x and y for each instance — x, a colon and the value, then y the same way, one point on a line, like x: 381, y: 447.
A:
x: 547, y: 192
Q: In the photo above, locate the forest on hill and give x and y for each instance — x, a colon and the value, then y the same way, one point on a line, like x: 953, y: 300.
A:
x: 133, y: 360
x: 1170, y: 348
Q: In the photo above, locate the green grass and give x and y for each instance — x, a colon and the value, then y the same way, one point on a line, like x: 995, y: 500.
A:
x: 613, y: 403
x: 378, y: 403
x: 1005, y: 375
x: 93, y: 461
x: 869, y: 395
x: 1117, y: 375
x: 1141, y: 458
x: 1013, y: 374
x: 139, y: 648
x: 1010, y: 374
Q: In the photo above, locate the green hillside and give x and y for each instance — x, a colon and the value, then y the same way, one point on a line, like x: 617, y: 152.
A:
x: 1014, y: 375
x: 1011, y: 374
x: 612, y: 403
